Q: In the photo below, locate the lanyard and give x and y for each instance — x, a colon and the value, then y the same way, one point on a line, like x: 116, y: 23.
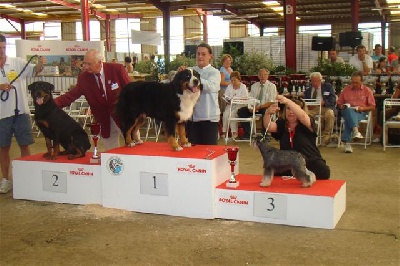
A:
x: 291, y: 136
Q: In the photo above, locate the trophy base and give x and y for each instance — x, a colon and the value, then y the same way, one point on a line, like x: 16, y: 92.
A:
x: 95, y: 160
x: 232, y: 184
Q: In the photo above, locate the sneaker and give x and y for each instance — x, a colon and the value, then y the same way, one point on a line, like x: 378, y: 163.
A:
x: 376, y: 140
x: 234, y: 135
x: 357, y: 136
x: 348, y: 148
x: 5, y: 186
x: 222, y: 136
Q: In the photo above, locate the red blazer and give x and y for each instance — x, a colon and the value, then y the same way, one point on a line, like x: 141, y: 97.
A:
x: 102, y: 108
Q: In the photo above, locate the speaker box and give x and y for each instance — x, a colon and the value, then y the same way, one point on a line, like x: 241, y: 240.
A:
x: 190, y: 50
x: 350, y: 38
x: 323, y: 43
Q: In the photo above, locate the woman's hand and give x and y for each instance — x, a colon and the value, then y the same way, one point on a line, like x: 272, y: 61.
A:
x: 273, y: 109
x: 282, y: 99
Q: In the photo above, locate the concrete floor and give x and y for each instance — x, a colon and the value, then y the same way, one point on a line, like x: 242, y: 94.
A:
x: 45, y: 233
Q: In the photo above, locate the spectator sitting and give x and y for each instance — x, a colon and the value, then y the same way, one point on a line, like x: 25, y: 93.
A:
x: 128, y: 64
x: 361, y: 61
x: 392, y: 54
x: 235, y: 89
x: 322, y: 91
x: 389, y: 113
x: 355, y: 101
x: 266, y: 92
x: 377, y: 53
x: 395, y: 64
x: 381, y: 68
x: 334, y: 57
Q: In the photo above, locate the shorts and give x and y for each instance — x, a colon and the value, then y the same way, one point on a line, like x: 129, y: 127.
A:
x: 21, y: 129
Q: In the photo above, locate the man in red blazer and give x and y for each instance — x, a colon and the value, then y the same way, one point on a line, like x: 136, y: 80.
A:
x: 101, y: 84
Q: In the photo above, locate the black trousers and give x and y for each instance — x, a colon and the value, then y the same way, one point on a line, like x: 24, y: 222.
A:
x: 244, y: 113
x: 202, y: 132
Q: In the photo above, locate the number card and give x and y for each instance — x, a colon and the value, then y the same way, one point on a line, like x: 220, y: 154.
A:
x: 270, y: 205
x: 154, y: 184
x: 54, y: 181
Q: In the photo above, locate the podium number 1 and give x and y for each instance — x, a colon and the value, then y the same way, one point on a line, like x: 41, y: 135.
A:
x: 270, y: 205
x: 154, y: 184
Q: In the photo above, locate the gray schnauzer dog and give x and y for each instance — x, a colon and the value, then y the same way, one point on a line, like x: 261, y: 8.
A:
x: 282, y: 160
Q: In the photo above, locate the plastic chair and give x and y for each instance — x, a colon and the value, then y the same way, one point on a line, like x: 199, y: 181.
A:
x: 390, y: 123
x: 316, y: 103
x: 251, y: 103
x: 368, y: 131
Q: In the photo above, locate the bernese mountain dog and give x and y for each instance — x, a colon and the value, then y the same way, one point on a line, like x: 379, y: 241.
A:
x: 172, y: 103
x: 56, y: 125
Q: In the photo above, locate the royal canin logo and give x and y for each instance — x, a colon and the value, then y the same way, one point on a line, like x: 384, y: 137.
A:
x: 191, y: 168
x: 233, y: 200
x: 80, y: 172
x: 76, y: 49
x: 40, y: 48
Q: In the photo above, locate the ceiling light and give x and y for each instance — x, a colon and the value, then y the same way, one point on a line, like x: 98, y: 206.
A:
x: 397, y: 12
x: 393, y: 1
x: 7, y: 6
x: 271, y: 3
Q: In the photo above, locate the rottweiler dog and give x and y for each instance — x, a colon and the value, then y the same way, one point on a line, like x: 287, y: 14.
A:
x: 56, y: 125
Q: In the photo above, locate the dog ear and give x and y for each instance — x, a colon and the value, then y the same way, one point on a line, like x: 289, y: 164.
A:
x: 31, y: 86
x: 50, y: 86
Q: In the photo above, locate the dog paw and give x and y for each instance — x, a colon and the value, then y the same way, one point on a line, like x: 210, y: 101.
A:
x: 264, y: 184
x: 139, y: 141
x: 186, y: 145
x: 179, y: 148
x: 132, y: 144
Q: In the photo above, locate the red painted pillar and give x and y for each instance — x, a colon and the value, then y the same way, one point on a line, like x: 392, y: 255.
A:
x: 355, y: 14
x: 205, y: 29
x: 290, y: 33
x: 23, y: 30
x: 167, y: 35
x: 85, y: 20
x: 108, y: 35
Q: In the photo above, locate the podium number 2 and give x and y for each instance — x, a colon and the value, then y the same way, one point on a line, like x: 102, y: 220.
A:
x: 53, y: 181
x: 55, y: 177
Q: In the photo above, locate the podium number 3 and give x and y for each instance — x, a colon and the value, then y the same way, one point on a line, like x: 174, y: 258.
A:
x: 55, y: 177
x: 154, y: 182
x: 271, y: 204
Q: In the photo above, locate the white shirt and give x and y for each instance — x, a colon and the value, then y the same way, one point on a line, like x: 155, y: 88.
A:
x: 357, y: 63
x: 7, y: 107
x: 230, y: 92
x: 269, y: 94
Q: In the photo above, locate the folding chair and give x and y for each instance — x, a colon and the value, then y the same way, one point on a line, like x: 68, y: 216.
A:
x: 316, y: 103
x: 390, y: 123
x: 367, y: 134
x: 251, y: 103
x: 152, y: 123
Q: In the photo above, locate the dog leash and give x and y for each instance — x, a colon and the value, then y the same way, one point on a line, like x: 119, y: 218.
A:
x: 6, y: 94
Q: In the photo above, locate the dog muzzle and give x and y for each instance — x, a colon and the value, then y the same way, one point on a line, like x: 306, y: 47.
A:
x: 39, y: 100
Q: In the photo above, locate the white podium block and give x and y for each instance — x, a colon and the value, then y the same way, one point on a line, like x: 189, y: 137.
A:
x: 284, y: 202
x: 152, y: 178
x: 62, y: 180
